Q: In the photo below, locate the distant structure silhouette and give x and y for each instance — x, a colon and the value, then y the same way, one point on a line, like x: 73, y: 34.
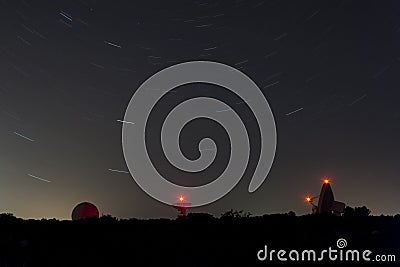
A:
x: 326, y: 201
x: 84, y: 210
x: 181, y: 206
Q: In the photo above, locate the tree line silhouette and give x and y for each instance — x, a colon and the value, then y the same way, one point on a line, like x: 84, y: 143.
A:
x: 201, y: 239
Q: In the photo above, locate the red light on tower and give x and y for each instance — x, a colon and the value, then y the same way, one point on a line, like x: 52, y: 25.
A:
x: 326, y: 181
x: 308, y: 199
x: 181, y: 206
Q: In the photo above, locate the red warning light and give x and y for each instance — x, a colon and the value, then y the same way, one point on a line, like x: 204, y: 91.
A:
x: 308, y: 199
x: 181, y: 206
x: 326, y: 181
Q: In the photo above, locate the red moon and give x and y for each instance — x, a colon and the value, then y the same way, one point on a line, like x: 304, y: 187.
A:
x: 85, y: 210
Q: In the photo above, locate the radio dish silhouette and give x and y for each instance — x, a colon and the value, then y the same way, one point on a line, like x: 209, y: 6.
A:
x: 326, y: 201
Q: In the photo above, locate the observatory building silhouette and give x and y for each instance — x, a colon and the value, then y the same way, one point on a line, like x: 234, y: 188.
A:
x: 326, y: 201
x: 84, y: 210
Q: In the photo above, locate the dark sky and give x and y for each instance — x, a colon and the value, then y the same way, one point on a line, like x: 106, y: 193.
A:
x: 330, y: 71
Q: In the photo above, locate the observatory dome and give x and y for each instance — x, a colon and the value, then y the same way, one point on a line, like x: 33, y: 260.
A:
x: 84, y: 210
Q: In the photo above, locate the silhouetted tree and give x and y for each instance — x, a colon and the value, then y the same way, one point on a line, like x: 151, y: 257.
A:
x: 362, y: 211
x: 235, y: 214
x: 356, y: 212
x: 108, y: 218
x: 291, y: 213
x: 7, y: 217
x: 348, y: 212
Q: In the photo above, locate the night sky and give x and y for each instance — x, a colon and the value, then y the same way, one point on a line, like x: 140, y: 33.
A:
x: 68, y: 69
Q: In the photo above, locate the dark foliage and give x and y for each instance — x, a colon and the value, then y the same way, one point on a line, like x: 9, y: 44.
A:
x: 235, y: 214
x: 199, y: 240
x: 356, y: 212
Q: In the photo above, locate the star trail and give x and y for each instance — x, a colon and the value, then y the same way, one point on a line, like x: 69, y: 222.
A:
x: 68, y: 69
